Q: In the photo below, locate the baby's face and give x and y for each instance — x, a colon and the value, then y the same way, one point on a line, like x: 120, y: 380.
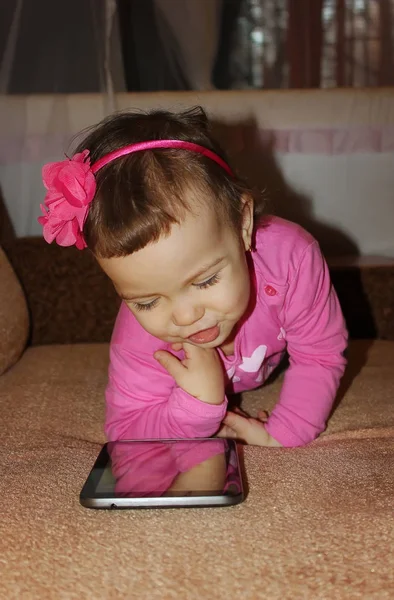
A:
x: 193, y: 280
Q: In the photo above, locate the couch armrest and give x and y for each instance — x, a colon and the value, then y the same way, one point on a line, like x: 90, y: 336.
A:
x: 69, y: 297
x: 14, y: 318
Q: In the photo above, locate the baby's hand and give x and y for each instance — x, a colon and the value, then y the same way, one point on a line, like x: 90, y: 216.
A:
x: 200, y: 374
x: 239, y: 426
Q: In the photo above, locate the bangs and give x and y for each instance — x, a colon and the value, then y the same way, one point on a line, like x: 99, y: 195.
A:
x: 131, y: 211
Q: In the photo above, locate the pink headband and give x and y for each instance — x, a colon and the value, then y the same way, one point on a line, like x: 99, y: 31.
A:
x: 71, y: 187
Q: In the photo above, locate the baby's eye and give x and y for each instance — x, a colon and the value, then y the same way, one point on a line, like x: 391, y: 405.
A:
x: 208, y: 282
x: 148, y: 306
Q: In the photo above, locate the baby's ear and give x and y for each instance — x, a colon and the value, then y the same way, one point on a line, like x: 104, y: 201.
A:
x: 247, y: 220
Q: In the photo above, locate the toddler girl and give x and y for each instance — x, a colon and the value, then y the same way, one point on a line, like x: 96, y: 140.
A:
x: 213, y: 291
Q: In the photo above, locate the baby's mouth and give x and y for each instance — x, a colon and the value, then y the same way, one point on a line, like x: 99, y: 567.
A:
x: 205, y: 335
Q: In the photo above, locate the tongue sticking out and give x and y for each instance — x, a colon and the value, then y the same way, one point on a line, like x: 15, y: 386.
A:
x: 205, y: 336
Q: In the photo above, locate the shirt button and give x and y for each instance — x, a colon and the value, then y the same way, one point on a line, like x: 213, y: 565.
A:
x: 270, y: 291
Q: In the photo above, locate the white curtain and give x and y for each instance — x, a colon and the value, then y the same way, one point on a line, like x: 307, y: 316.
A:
x: 59, y: 47
x: 74, y: 46
x: 51, y: 48
x: 189, y: 30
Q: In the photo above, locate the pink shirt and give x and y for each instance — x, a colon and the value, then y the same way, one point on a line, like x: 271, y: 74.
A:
x: 296, y: 310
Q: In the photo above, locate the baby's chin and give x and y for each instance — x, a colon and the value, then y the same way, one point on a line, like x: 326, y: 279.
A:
x: 214, y: 344
x: 207, y: 345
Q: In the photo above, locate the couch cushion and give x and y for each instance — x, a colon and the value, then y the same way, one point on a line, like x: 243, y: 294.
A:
x: 55, y: 392
x: 316, y: 524
x: 14, y: 319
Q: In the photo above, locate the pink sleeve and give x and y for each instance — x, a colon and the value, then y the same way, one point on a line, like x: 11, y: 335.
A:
x: 316, y: 340
x: 143, y: 401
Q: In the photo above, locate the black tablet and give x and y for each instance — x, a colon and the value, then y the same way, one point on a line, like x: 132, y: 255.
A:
x: 164, y: 474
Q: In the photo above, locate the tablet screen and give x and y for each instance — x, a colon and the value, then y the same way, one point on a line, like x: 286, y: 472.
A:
x: 176, y: 468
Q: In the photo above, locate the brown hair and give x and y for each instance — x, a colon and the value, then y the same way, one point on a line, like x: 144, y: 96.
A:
x: 141, y: 195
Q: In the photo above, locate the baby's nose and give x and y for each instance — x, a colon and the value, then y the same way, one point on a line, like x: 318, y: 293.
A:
x: 187, y: 314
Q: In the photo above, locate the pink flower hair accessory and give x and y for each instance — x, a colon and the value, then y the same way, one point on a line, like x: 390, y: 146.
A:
x: 71, y: 187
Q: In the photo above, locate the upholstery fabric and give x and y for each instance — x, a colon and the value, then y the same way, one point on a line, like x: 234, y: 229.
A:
x: 14, y: 318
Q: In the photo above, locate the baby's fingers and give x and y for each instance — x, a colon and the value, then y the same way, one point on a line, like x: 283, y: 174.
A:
x: 171, y: 364
x: 226, y: 432
x: 234, y: 426
x: 263, y: 416
x: 240, y: 411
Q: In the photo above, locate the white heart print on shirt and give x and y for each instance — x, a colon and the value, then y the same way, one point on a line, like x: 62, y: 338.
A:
x: 253, y: 363
x: 231, y: 376
x: 250, y: 364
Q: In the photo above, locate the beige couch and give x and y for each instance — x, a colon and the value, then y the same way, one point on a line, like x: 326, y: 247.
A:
x: 317, y: 522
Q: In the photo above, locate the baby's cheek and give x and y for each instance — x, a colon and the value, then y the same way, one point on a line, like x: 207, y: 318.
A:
x: 232, y: 299
x: 241, y: 300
